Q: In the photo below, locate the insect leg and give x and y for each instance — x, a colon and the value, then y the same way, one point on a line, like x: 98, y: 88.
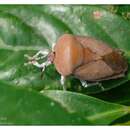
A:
x: 35, y: 63
x: 41, y: 52
x: 85, y: 84
x: 36, y: 56
x: 101, y: 86
x: 62, y: 81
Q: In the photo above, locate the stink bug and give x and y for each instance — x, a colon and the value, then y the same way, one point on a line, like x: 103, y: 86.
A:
x: 83, y: 57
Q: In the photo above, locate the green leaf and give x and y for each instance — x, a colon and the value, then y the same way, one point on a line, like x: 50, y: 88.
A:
x: 120, y: 95
x: 19, y: 106
x: 97, y: 111
x: 124, y: 11
x: 124, y: 124
x: 122, y: 121
x: 25, y: 29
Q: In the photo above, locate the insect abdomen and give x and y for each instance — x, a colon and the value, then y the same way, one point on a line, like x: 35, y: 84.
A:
x: 110, y: 66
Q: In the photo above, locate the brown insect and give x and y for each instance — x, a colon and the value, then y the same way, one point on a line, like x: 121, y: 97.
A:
x: 85, y: 58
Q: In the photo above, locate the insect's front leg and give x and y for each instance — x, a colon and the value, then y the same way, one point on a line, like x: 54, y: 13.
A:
x: 41, y: 52
x: 37, y: 56
x: 62, y: 81
x: 33, y: 60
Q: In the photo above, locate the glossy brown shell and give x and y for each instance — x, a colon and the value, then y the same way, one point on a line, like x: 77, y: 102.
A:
x: 88, y: 59
x: 68, y: 54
